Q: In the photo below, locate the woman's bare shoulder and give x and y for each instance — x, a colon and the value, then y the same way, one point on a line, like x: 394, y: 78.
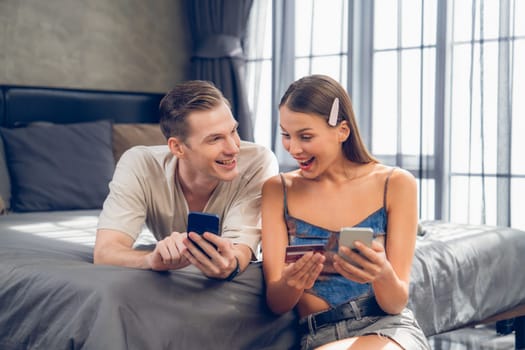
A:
x: 400, y: 181
x: 401, y: 175
x: 392, y: 173
x: 275, y: 183
x: 288, y: 177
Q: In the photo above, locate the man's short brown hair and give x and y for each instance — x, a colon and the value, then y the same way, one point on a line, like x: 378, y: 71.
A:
x: 187, y: 97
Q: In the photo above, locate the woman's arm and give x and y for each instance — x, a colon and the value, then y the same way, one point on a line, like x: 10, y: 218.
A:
x: 388, y: 268
x: 284, y: 284
x: 392, y: 288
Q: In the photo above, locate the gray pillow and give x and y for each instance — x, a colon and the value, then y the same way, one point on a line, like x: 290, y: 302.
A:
x: 5, y: 183
x: 59, y: 166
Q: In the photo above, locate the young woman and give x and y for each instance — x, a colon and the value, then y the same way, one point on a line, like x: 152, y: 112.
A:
x: 339, y: 184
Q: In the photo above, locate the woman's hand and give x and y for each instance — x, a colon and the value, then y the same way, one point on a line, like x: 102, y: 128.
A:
x: 303, y: 273
x: 370, y: 263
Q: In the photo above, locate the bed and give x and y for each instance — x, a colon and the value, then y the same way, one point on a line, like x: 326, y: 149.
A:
x: 467, y: 275
x: 53, y: 297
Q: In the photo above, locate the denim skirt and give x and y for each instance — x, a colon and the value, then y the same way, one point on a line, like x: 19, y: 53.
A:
x: 401, y: 328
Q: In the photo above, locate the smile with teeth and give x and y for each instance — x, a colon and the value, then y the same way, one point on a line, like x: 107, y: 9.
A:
x: 226, y: 162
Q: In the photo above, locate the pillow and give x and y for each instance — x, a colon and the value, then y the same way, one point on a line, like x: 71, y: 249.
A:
x: 5, y: 182
x: 59, y: 166
x: 126, y: 136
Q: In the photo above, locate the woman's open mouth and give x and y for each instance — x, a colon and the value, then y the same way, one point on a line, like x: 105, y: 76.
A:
x: 305, y: 165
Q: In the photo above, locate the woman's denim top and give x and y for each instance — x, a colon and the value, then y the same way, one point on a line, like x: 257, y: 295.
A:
x: 331, y: 286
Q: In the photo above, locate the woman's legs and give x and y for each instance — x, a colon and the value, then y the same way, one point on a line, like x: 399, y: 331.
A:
x: 365, y: 342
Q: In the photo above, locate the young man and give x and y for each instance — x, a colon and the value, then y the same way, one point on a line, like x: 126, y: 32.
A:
x: 205, y: 167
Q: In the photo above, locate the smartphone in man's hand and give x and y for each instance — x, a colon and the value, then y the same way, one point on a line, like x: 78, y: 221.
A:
x: 199, y: 223
x: 203, y: 222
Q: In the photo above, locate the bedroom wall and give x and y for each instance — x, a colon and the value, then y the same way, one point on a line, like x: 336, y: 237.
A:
x: 133, y: 45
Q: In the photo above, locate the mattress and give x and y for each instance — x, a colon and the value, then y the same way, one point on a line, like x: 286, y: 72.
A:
x: 463, y: 274
x: 53, y: 297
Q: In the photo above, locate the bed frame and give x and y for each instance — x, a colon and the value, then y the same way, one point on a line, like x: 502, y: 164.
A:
x: 21, y: 105
x: 507, y: 322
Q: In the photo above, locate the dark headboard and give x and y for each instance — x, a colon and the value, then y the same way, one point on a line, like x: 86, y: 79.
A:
x: 20, y: 105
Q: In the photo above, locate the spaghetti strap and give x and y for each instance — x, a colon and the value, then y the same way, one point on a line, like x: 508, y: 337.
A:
x: 284, y: 194
x: 386, y: 186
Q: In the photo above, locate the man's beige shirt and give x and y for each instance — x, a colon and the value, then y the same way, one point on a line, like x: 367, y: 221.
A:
x: 145, y: 190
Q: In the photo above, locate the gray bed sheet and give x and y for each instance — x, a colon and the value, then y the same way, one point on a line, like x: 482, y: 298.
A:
x: 53, y: 297
x: 76, y: 226
x: 463, y: 274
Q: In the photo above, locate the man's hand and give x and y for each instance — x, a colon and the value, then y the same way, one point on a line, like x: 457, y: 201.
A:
x: 169, y: 253
x: 219, y: 263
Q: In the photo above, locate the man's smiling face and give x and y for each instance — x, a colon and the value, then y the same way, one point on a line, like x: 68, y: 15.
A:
x: 212, y: 145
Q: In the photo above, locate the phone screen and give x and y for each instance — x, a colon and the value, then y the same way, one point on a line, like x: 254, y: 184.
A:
x: 348, y: 235
x: 203, y: 222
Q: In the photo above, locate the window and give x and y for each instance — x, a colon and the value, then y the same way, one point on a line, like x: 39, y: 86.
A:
x: 485, y: 111
x: 259, y: 70
x: 435, y: 86
x: 321, y: 44
x: 403, y: 90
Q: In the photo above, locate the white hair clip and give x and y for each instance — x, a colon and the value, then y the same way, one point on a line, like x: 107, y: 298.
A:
x: 334, y: 113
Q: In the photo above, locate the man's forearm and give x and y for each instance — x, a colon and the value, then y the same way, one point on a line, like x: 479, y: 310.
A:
x: 119, y: 256
x: 244, y: 254
x: 116, y: 248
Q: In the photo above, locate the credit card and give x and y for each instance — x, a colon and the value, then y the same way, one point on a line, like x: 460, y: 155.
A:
x: 295, y: 252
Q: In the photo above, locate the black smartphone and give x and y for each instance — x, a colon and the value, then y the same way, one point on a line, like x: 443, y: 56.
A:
x: 203, y: 222
x: 199, y: 223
